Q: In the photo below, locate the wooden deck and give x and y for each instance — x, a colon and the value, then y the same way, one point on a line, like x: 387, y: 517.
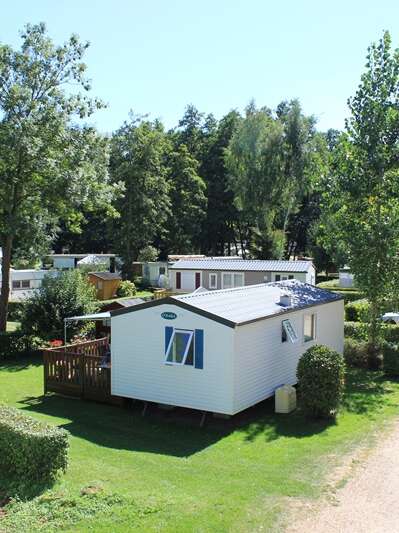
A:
x: 76, y: 370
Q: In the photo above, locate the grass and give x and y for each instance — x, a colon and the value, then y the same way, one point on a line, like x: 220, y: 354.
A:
x: 163, y: 472
x: 12, y: 326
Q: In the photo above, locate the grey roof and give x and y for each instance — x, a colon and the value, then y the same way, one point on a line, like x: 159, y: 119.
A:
x: 106, y: 275
x: 242, y: 305
x: 254, y: 302
x: 257, y: 265
x: 130, y: 302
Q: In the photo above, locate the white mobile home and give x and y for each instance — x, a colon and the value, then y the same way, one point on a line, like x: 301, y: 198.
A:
x: 221, y: 351
x: 71, y: 261
x: 222, y: 273
x: 23, y: 283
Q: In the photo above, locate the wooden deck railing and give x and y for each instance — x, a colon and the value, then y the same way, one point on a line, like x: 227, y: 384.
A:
x: 77, y: 370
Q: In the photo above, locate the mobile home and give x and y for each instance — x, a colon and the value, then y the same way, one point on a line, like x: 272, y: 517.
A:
x: 222, y: 273
x: 221, y: 351
x: 23, y: 283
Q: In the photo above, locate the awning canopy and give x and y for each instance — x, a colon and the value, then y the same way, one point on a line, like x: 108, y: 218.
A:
x: 97, y: 316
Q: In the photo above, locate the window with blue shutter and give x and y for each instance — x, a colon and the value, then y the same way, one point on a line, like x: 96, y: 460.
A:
x: 184, y: 347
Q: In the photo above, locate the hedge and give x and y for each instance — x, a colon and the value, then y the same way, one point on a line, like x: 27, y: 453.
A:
x: 358, y: 331
x: 356, y: 353
x: 357, y: 310
x: 31, y: 450
x: 391, y: 359
x: 14, y: 344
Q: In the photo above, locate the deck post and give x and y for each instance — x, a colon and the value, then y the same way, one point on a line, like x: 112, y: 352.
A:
x: 203, y: 419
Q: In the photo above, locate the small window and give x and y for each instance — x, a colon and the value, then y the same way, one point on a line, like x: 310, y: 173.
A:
x: 227, y: 281
x: 309, y: 327
x: 213, y: 281
x: 285, y: 278
x: 291, y: 276
x: 288, y: 332
x: 162, y: 270
x: 284, y: 337
x: 231, y: 280
x: 178, y: 280
x: 277, y: 277
x: 16, y: 284
x: 238, y: 280
x: 100, y: 285
x: 181, y: 348
x: 26, y: 283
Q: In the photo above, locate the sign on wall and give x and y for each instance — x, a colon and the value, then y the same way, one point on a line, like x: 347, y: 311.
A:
x: 168, y: 315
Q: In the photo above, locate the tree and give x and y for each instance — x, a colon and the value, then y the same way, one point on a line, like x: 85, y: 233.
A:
x: 148, y: 254
x: 188, y: 202
x: 138, y: 157
x: 366, y: 193
x: 50, y: 167
x: 67, y: 295
x: 219, y: 231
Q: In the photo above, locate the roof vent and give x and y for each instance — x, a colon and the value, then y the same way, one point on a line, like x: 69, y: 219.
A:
x: 285, y: 299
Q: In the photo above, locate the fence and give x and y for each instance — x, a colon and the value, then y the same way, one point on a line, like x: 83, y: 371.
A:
x: 77, y: 370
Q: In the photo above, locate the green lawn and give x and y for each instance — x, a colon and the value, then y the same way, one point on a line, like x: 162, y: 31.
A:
x: 12, y: 326
x: 163, y: 472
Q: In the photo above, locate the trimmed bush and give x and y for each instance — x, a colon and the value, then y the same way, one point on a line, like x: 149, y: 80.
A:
x: 358, y: 331
x: 31, y: 450
x: 357, y: 311
x: 126, y: 288
x: 355, y: 353
x: 391, y: 359
x: 320, y: 375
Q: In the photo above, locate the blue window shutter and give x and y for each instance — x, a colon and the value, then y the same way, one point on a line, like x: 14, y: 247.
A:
x: 168, y: 334
x: 199, y: 348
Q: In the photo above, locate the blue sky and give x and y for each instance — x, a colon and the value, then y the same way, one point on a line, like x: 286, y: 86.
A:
x: 158, y: 56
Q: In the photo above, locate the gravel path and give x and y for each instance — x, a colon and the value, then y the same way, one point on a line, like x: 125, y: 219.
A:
x: 368, y: 503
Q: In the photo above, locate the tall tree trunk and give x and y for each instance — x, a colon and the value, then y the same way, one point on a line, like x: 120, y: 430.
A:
x: 5, y: 281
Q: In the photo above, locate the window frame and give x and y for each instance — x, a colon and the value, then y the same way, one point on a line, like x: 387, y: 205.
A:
x: 232, y: 274
x: 214, y: 276
x: 292, y: 338
x: 190, y: 332
x: 313, y: 317
x: 16, y: 284
x: 277, y: 276
x: 26, y: 282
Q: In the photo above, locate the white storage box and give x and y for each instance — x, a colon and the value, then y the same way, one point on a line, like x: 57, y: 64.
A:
x: 285, y: 399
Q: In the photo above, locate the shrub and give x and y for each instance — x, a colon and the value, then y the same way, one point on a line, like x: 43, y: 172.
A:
x: 357, y: 311
x: 355, y: 353
x: 68, y: 294
x: 14, y: 310
x: 126, y: 288
x: 31, y: 450
x: 391, y: 359
x: 148, y: 253
x: 348, y: 295
x: 320, y: 375
x: 358, y: 331
x: 14, y: 344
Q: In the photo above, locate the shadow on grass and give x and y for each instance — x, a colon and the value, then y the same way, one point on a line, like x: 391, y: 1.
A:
x: 366, y: 390
x: 24, y: 490
x: 21, y: 363
x: 177, y: 433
